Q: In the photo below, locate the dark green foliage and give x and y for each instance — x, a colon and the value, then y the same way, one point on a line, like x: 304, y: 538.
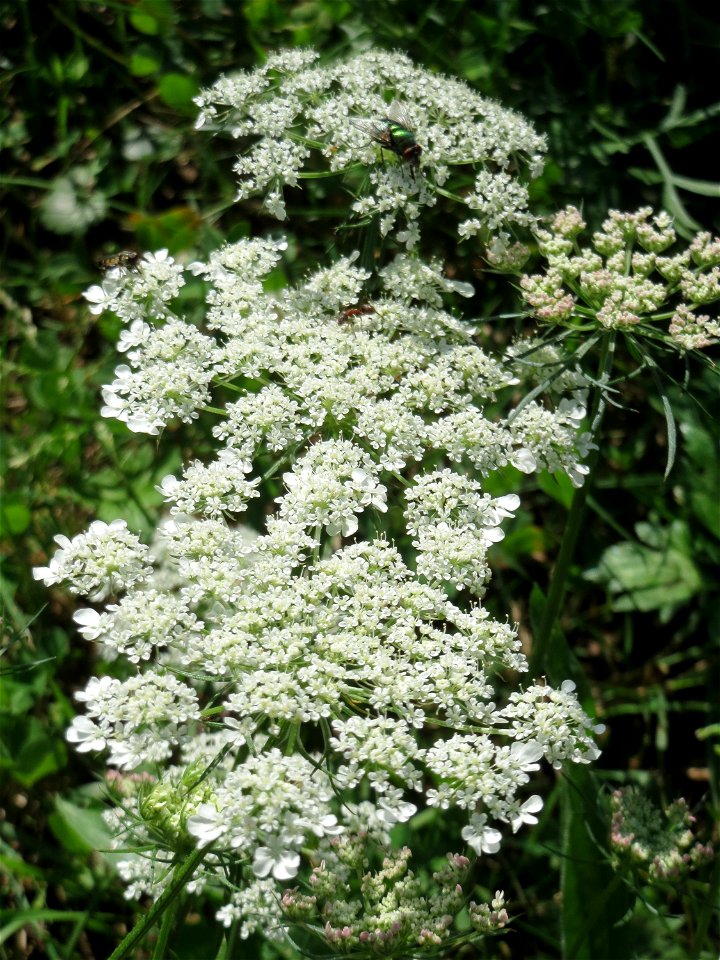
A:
x: 99, y: 154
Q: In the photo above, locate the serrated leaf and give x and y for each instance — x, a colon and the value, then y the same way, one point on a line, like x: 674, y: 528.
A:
x: 640, y: 577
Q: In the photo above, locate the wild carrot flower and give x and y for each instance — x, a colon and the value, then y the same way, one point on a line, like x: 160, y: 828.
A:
x: 249, y: 646
x: 305, y: 686
x: 293, y: 115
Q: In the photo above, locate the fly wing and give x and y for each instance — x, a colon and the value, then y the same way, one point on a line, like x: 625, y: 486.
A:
x: 375, y: 131
x: 396, y: 114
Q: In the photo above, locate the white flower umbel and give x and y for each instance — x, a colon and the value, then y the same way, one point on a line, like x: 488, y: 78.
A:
x: 141, y: 623
x: 332, y: 483
x: 141, y: 293
x: 174, y: 365
x: 258, y: 907
x: 99, y: 563
x: 140, y: 719
x: 308, y: 676
x: 266, y: 809
x: 295, y: 114
x: 543, y: 714
x: 454, y: 524
x: 297, y: 628
x: 211, y: 489
x: 548, y: 439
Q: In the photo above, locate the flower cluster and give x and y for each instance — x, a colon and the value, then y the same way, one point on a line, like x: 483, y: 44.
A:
x: 399, y: 378
x: 390, y: 909
x: 304, y: 687
x: 659, y: 844
x: 294, y: 112
x: 312, y: 659
x: 629, y: 277
x: 277, y: 671
x: 151, y: 711
x: 265, y: 809
x: 97, y: 564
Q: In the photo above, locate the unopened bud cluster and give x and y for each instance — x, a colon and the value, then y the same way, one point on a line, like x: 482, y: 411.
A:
x: 391, y: 909
x: 632, y: 276
x: 659, y: 844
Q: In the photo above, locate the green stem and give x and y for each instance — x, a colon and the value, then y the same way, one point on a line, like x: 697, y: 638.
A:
x: 709, y: 905
x: 182, y: 874
x: 540, y: 657
x: 370, y: 237
x: 166, y: 928
x: 292, y: 738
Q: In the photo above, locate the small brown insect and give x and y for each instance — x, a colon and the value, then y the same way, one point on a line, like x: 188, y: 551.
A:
x: 125, y: 259
x: 347, y: 316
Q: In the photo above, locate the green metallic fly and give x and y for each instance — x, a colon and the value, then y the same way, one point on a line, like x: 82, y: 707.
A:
x: 396, y: 136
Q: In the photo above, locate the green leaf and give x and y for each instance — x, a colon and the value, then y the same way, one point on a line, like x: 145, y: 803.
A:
x: 594, y: 898
x: 671, y: 200
x: 14, y: 866
x: 557, y: 486
x: 15, y: 516
x: 660, y: 576
x: 705, y: 188
x: 671, y: 434
x: 144, y: 22
x: 17, y: 919
x: 19, y: 696
x: 80, y: 829
x: 178, y: 90
x: 145, y: 61
x: 702, y: 475
x: 31, y: 753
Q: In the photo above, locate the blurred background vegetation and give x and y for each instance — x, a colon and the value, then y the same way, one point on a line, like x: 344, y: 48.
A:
x: 99, y: 153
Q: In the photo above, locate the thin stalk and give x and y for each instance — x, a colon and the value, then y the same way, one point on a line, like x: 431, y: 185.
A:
x: 710, y: 905
x: 539, y: 659
x: 370, y: 237
x: 166, y: 928
x: 182, y: 874
x: 293, y: 731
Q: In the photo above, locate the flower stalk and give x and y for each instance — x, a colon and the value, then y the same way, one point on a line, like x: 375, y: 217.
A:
x: 550, y: 648
x: 162, y: 906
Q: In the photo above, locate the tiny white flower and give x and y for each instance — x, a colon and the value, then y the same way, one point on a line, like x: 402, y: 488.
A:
x: 391, y: 812
x: 481, y: 837
x: 206, y: 824
x: 86, y: 735
x: 106, y: 296
x: 276, y: 859
x: 88, y: 621
x: 527, y: 812
x: 526, y: 755
x: 523, y: 460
